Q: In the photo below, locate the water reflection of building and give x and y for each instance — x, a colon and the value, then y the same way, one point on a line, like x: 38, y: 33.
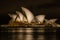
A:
x: 29, y: 33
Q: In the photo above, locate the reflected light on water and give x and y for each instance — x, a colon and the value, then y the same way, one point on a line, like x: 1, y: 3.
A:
x: 29, y: 34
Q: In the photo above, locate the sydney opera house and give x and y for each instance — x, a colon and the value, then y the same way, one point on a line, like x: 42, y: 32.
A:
x: 28, y: 18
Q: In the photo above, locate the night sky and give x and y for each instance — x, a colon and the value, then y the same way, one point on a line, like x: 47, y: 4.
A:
x: 50, y: 8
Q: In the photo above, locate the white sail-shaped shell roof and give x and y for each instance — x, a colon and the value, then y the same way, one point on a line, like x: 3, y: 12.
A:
x: 21, y: 16
x: 28, y: 14
x: 40, y: 18
x: 51, y: 21
x: 13, y: 16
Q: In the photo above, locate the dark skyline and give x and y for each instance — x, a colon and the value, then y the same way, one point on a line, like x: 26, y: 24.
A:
x: 50, y: 8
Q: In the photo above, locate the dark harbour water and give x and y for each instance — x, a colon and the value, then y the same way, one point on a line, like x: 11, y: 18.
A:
x: 37, y: 33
